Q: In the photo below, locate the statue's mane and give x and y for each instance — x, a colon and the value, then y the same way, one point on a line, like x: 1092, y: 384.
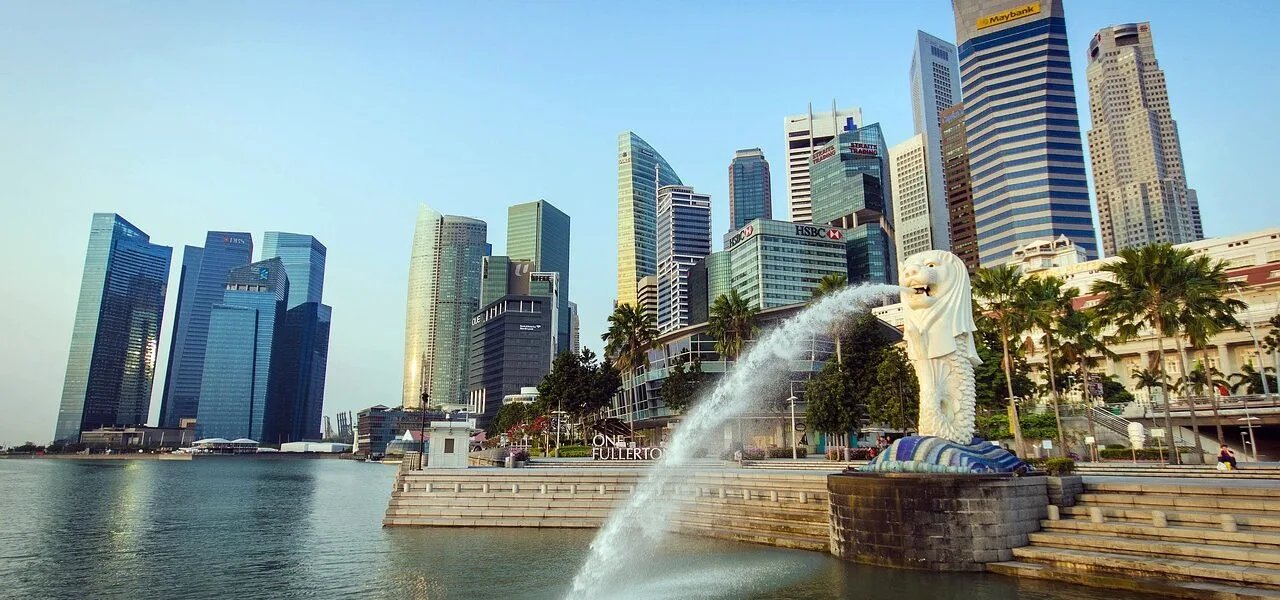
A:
x: 950, y: 315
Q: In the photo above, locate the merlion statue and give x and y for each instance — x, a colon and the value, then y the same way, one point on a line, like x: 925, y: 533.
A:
x: 939, y: 331
x: 939, y: 334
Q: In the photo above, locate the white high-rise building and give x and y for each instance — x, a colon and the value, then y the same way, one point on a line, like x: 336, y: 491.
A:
x: 804, y: 134
x: 684, y: 237
x: 913, y: 213
x: 444, y: 292
x: 935, y: 87
x: 1138, y: 174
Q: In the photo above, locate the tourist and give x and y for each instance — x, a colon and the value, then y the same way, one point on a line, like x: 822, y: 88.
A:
x: 1226, y: 457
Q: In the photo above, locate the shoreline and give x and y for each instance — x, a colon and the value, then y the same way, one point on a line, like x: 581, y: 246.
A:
x: 183, y: 457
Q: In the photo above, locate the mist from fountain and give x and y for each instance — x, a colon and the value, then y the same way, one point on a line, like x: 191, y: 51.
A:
x: 636, y: 529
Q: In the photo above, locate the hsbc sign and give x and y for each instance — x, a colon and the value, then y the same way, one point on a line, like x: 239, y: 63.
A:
x: 830, y: 233
x: 742, y: 235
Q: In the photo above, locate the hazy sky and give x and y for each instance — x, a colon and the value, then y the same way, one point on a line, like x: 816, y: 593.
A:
x: 337, y: 118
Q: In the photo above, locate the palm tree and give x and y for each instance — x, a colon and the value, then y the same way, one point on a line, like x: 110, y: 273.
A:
x: 1249, y: 380
x: 1047, y: 303
x: 1147, y: 378
x: 1149, y: 289
x: 731, y: 322
x: 1206, y: 311
x: 1080, y: 344
x: 632, y: 333
x: 1001, y: 302
x: 830, y: 284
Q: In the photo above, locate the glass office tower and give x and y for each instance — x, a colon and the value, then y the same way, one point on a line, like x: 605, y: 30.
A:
x: 539, y: 232
x: 750, y: 192
x: 234, y: 389
x: 641, y: 171
x: 116, y: 335
x: 203, y: 281
x: 303, y: 257
x: 850, y: 180
x: 305, y: 340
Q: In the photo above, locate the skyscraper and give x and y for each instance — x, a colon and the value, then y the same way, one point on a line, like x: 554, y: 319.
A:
x: 303, y: 257
x: 539, y: 232
x: 303, y: 344
x: 955, y: 168
x: 203, y: 281
x: 684, y: 236
x: 750, y: 191
x: 1138, y: 174
x: 575, y: 327
x: 909, y: 174
x: 1025, y: 155
x: 116, y: 336
x: 236, y: 386
x: 444, y: 292
x: 641, y: 171
x: 851, y: 191
x: 935, y: 86
x: 805, y: 134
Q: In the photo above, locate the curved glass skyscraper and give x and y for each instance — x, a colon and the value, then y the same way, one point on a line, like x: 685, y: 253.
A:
x: 112, y: 360
x: 641, y: 171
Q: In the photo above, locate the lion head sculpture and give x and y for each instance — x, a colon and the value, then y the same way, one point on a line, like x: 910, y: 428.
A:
x: 936, y: 292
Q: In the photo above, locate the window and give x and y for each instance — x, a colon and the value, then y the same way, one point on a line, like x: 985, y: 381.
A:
x: 448, y: 445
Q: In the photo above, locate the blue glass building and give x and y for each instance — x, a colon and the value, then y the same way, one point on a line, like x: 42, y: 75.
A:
x: 750, y: 191
x: 641, y: 171
x: 238, y: 358
x: 539, y: 232
x: 684, y: 237
x: 303, y: 257
x: 1025, y: 157
x: 201, y: 285
x: 850, y: 190
x: 116, y: 335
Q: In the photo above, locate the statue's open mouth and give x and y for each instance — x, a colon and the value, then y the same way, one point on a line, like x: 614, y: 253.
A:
x: 921, y: 289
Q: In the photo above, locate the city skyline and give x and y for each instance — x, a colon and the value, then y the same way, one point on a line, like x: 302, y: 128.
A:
x: 244, y: 148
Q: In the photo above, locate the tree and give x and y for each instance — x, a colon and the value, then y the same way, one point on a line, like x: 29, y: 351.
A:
x: 1114, y: 392
x: 578, y: 384
x: 1146, y: 379
x: 1249, y: 380
x: 682, y: 386
x: 830, y: 284
x: 832, y: 407
x: 731, y: 322
x: 1081, y: 345
x: 632, y: 334
x: 895, y: 398
x: 1148, y: 289
x: 991, y: 386
x: 1047, y: 302
x: 508, y: 416
x: 1002, y: 304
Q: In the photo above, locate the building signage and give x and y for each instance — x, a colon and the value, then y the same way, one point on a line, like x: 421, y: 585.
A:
x: 614, y: 447
x: 530, y: 327
x: 823, y: 153
x: 742, y: 235
x: 830, y: 233
x: 863, y: 149
x: 235, y: 240
x: 1012, y: 14
x: 264, y: 273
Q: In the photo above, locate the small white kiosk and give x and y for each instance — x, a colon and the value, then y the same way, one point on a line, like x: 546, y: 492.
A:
x: 448, y: 444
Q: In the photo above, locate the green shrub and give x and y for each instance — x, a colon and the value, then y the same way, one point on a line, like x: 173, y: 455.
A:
x: 1143, y: 453
x: 574, y: 451
x: 801, y: 451
x: 1059, y: 466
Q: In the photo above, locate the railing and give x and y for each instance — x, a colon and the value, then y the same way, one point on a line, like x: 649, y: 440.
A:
x: 1205, y: 403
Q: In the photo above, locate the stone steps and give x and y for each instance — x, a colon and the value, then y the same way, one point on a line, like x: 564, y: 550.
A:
x: 1161, y: 588
x: 1162, y: 550
x: 1147, y: 531
x: 1221, y: 504
x: 1173, y: 486
x: 1093, y: 560
x: 1197, y: 520
x: 719, y: 520
x: 777, y: 539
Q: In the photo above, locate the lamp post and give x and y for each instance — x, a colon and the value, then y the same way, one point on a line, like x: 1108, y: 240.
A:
x: 422, y: 428
x: 792, y: 400
x: 1262, y: 374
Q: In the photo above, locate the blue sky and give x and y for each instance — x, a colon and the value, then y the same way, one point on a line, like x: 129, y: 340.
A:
x: 337, y: 118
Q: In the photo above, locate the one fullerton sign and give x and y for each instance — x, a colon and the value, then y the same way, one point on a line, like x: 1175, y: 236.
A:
x: 614, y: 447
x: 1012, y: 14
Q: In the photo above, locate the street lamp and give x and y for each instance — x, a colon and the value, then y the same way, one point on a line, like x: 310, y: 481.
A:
x: 1262, y: 374
x: 792, y: 400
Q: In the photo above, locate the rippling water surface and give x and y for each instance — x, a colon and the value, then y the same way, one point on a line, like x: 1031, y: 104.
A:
x: 296, y: 528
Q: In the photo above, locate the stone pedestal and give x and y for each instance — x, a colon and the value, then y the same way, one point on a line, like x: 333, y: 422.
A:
x: 933, y: 521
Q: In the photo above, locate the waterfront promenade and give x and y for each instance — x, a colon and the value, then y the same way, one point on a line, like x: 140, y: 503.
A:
x: 1180, y: 532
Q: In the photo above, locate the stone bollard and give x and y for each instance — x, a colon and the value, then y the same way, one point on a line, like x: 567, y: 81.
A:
x: 573, y: 489
x: 773, y: 495
x: 515, y: 488
x: 427, y: 489
x: 457, y: 488
x: 804, y: 497
x: 484, y: 487
x: 404, y: 488
x: 542, y: 489
x: 1054, y: 515
x: 1229, y: 523
x: 746, y: 494
x: 1158, y: 519
x: 1095, y: 515
x: 722, y: 492
x: 602, y: 489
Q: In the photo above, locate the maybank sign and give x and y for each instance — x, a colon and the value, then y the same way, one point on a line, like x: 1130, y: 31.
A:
x: 1012, y: 14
